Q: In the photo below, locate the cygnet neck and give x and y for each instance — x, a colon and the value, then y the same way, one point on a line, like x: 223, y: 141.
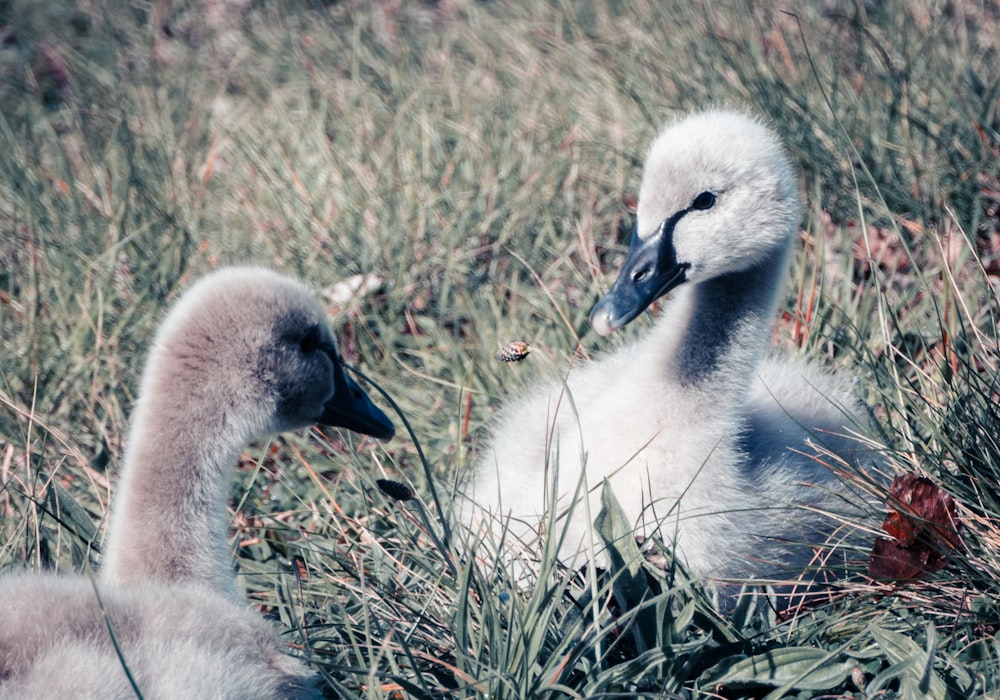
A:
x: 727, y: 321
x: 169, y: 520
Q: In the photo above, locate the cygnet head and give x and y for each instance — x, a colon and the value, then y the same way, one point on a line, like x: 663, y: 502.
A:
x: 255, y: 346
x: 718, y: 196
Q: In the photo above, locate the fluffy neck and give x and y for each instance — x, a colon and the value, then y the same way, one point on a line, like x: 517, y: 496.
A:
x: 727, y: 322
x: 169, y: 521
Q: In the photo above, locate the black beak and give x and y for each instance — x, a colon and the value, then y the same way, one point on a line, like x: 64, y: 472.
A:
x: 351, y: 408
x: 651, y: 270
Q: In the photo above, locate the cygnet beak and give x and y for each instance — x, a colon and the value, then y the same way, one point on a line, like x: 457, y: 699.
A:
x: 351, y: 408
x: 651, y: 270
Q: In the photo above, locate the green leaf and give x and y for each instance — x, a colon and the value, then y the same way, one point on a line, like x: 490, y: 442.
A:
x: 794, y: 668
x: 617, y: 532
x: 912, y: 664
x: 625, y: 564
x: 70, y: 513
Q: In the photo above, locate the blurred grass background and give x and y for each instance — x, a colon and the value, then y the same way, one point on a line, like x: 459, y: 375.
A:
x: 480, y: 158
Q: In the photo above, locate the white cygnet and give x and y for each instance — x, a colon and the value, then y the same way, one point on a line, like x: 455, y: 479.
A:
x: 700, y: 432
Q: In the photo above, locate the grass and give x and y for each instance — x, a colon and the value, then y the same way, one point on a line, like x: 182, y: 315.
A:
x: 478, y: 158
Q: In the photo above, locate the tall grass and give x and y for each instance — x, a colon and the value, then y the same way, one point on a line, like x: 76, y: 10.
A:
x: 478, y: 158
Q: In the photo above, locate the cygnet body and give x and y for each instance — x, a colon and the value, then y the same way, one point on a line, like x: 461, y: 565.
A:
x: 700, y: 434
x: 243, y: 354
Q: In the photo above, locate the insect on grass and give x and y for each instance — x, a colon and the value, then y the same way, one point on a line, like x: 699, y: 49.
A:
x: 513, y: 352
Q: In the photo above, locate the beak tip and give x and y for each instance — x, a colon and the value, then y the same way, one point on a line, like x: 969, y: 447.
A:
x: 600, y: 319
x: 385, y: 434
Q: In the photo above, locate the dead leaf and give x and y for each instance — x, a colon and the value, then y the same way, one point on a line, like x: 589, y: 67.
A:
x: 630, y: 200
x: 924, y: 526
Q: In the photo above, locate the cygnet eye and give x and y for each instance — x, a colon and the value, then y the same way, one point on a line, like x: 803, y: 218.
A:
x: 705, y: 200
x: 311, y: 341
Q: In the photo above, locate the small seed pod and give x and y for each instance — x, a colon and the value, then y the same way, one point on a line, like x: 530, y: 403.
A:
x: 394, y: 489
x: 513, y: 352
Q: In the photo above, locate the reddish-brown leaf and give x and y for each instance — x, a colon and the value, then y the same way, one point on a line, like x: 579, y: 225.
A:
x: 922, y: 505
x: 924, y: 526
x: 890, y: 560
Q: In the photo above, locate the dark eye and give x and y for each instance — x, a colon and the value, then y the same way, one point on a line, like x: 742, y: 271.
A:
x: 311, y: 341
x: 705, y: 200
